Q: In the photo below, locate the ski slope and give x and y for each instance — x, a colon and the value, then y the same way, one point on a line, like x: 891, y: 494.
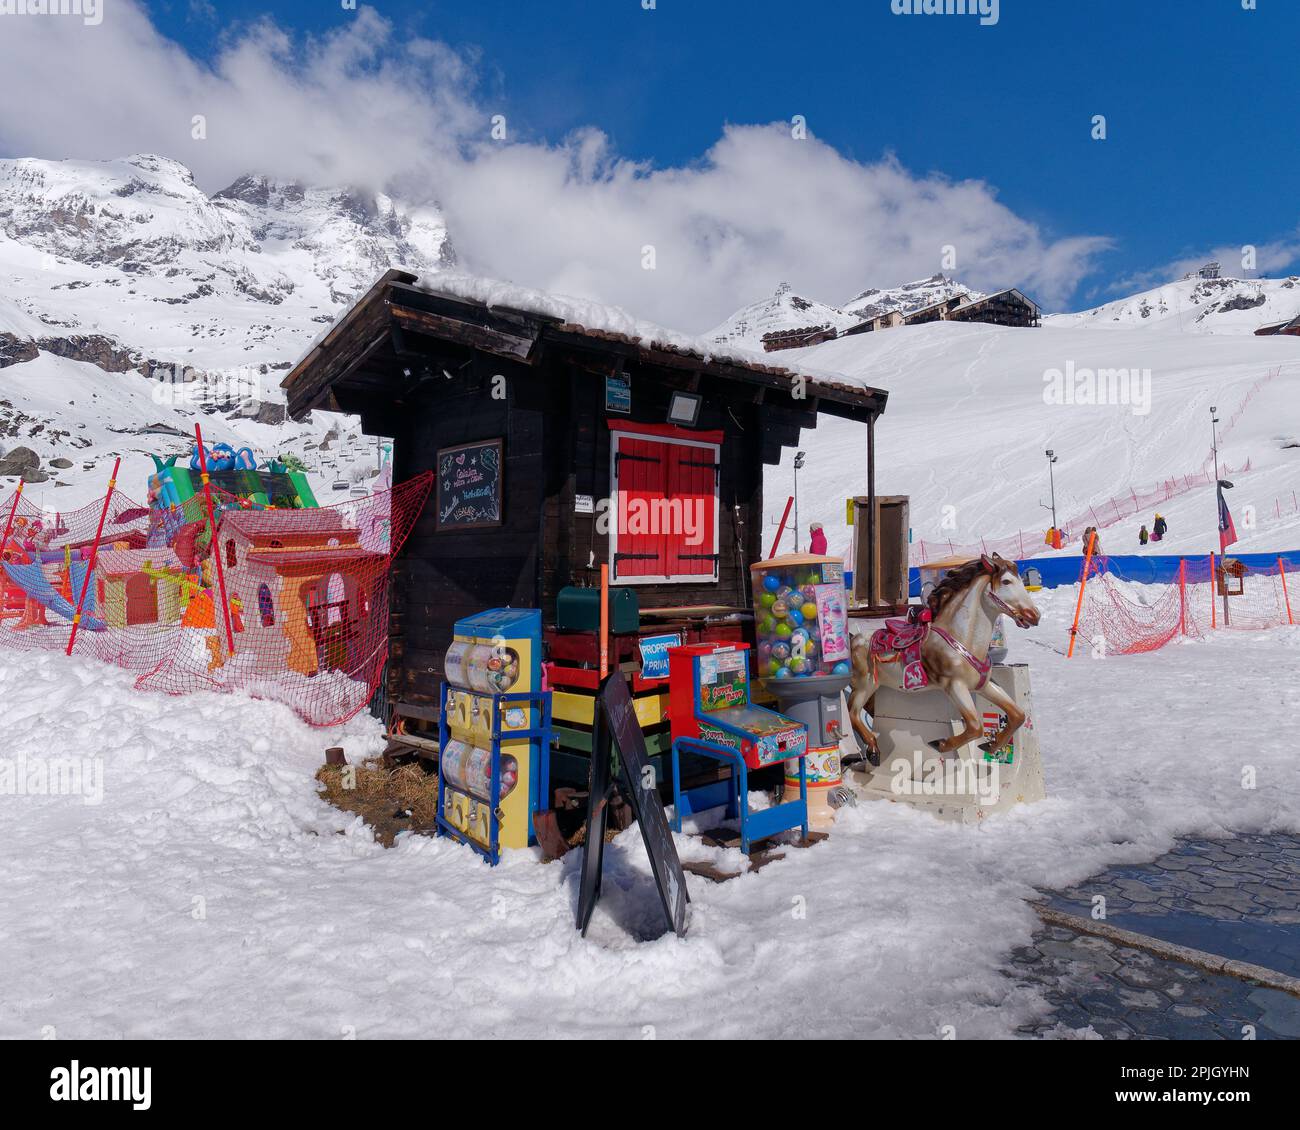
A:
x: 967, y: 426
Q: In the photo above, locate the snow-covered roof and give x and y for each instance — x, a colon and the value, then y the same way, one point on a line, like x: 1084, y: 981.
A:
x: 586, y: 318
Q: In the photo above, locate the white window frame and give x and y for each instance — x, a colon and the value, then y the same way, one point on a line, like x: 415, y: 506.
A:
x: 616, y: 437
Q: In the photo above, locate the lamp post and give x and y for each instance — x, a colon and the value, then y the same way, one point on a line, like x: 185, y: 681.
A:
x: 799, y: 457
x: 1219, y: 485
x: 1051, y: 479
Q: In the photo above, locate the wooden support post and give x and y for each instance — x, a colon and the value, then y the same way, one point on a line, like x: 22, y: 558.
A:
x: 1083, y: 584
x: 213, y: 547
x: 94, y: 555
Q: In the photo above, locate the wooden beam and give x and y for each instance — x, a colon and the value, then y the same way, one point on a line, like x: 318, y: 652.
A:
x: 489, y: 339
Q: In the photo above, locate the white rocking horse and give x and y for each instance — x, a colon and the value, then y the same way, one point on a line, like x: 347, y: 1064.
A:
x: 945, y: 644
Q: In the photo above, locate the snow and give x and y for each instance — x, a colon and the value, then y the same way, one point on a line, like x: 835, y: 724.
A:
x: 967, y: 425
x: 212, y: 893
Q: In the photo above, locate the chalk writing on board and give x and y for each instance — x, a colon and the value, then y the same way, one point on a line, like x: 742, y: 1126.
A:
x: 469, y: 485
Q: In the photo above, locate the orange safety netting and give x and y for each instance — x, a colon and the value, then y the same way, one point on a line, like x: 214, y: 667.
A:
x: 1124, y: 617
x: 305, y: 606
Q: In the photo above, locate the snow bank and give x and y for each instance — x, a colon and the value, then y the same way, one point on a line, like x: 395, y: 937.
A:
x: 212, y: 893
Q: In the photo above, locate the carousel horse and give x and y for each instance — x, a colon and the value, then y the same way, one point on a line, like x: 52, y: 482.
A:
x: 945, y: 644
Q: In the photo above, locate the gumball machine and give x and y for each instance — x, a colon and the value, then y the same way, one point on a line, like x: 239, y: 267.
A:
x: 802, y: 640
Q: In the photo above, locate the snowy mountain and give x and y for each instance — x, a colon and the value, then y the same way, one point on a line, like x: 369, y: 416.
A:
x: 1219, y: 306
x: 127, y: 267
x: 908, y: 298
x: 786, y: 310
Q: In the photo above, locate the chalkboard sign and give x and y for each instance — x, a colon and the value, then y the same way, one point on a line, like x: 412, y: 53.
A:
x: 469, y: 485
x: 616, y: 719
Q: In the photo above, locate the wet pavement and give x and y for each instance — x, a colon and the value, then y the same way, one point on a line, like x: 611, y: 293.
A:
x: 1237, y: 898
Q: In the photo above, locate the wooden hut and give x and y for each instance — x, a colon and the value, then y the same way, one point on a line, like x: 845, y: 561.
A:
x: 563, y: 436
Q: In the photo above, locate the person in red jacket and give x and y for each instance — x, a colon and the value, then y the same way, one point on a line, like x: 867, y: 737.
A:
x: 817, y: 539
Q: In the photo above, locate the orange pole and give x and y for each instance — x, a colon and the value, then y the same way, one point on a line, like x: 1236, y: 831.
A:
x: 1083, y: 584
x: 788, y: 503
x: 13, y: 510
x: 94, y: 556
x: 214, y: 547
x: 1214, y: 612
x: 1281, y: 568
x: 604, y: 621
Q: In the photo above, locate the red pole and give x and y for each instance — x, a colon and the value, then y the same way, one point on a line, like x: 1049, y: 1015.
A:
x: 1281, y: 568
x: 1083, y: 584
x: 1214, y: 612
x: 1182, y: 596
x: 94, y: 555
x: 212, y: 525
x: 9, y: 525
x: 788, y: 503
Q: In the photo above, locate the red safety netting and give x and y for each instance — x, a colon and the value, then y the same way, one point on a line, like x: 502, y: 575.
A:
x: 305, y: 601
x: 1125, y: 618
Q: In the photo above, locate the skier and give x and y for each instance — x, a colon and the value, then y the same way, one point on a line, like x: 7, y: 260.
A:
x: 1160, y: 528
x: 816, y: 539
x: 1142, y: 535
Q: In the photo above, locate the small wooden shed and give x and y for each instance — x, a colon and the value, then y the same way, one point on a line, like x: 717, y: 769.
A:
x: 562, y: 435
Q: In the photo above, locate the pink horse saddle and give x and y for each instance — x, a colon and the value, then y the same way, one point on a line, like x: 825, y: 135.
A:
x: 899, y: 641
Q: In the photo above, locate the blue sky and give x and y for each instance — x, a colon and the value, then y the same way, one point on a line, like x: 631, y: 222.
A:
x: 1198, y: 94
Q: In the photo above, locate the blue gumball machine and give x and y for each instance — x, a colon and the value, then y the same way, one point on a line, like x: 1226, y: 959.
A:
x: 803, y: 659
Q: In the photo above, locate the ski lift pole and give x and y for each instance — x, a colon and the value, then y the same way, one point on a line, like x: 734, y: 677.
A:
x: 213, y: 546
x: 94, y: 556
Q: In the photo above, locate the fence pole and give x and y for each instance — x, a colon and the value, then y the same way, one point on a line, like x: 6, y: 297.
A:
x: 9, y: 525
x: 213, y: 546
x: 604, y: 620
x: 94, y: 555
x: 1214, y: 612
x: 1182, y: 596
x: 781, y: 531
x: 1281, y: 568
x: 1083, y: 584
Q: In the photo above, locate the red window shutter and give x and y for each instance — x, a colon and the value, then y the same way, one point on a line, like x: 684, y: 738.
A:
x: 692, y: 490
x: 642, y: 478
x: 666, y: 514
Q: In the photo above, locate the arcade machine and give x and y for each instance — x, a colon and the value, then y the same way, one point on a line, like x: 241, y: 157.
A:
x: 712, y: 717
x: 801, y: 622
x: 495, y: 731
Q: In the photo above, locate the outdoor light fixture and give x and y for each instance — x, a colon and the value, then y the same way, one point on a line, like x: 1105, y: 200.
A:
x: 684, y: 408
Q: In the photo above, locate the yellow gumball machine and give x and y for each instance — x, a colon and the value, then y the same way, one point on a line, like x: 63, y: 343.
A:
x: 495, y: 731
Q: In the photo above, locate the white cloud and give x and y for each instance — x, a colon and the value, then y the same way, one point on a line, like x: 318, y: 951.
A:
x: 365, y: 106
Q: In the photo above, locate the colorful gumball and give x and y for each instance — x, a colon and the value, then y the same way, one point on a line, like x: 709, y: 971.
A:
x: 809, y: 593
x: 783, y: 673
x: 780, y: 609
x: 764, y: 651
x: 773, y: 666
x: 809, y: 610
x: 840, y: 668
x: 798, y: 664
x: 783, y: 629
x: 766, y: 626
x: 796, y: 617
x: 767, y: 599
x: 771, y: 583
x: 781, y: 651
